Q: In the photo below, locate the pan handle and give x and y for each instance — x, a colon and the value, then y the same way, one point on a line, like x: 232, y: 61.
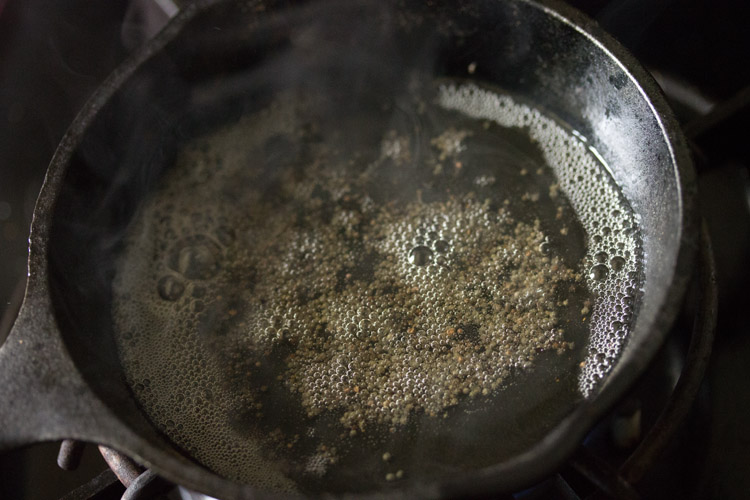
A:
x: 43, y: 397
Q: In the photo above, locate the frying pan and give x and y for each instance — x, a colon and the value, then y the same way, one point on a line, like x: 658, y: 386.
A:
x: 60, y: 374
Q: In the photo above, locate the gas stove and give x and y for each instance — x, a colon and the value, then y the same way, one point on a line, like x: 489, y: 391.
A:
x: 681, y: 431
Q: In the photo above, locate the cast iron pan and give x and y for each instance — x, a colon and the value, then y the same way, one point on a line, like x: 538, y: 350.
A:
x: 60, y: 375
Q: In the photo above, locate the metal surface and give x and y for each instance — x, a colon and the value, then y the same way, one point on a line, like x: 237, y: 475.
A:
x: 145, y: 486
x: 103, y: 486
x: 70, y: 454
x: 623, y: 482
x: 124, y: 468
x: 603, y: 476
x: 59, y: 364
x: 699, y: 353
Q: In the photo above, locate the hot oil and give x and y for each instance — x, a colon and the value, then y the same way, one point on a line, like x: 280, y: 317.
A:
x: 308, y: 309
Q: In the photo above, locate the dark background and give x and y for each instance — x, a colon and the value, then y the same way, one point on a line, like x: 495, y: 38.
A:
x: 54, y: 54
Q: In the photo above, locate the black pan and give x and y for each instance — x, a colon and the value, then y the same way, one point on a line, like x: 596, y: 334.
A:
x: 60, y: 374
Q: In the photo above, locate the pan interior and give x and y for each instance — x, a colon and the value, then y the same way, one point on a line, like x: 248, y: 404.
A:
x: 319, y: 301
x: 361, y: 111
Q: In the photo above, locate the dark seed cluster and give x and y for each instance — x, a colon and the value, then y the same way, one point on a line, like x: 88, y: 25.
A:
x: 404, y: 309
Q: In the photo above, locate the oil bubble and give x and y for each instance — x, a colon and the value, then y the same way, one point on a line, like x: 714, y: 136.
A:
x: 599, y: 272
x: 617, y: 263
x: 442, y: 246
x: 195, y: 257
x: 420, y: 255
x: 170, y: 288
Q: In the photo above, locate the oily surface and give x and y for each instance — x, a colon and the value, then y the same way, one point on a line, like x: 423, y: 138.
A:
x: 292, y: 307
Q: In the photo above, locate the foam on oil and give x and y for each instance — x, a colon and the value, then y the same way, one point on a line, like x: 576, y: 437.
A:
x: 613, y: 242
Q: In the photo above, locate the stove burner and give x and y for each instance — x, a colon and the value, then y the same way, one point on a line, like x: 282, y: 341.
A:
x: 138, y: 483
